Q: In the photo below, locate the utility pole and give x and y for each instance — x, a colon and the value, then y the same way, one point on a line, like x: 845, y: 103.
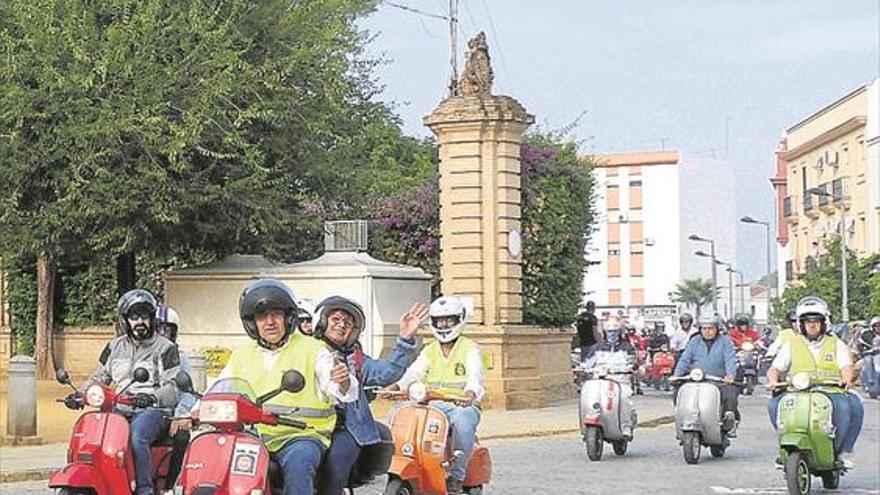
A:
x: 453, y: 48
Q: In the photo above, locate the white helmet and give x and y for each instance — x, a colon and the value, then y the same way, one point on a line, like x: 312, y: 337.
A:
x: 448, y: 306
x: 167, y: 322
x: 813, y: 306
x: 306, y: 308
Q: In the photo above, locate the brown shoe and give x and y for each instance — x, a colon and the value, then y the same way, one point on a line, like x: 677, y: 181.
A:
x: 454, y: 486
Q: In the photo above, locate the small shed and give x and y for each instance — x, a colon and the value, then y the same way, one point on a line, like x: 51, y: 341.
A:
x: 206, y: 297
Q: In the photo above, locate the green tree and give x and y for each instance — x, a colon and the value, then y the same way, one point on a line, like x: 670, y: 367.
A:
x: 694, y: 293
x: 163, y: 126
x: 823, y: 279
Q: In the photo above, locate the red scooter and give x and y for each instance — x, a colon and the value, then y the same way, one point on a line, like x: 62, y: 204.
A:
x: 99, y: 458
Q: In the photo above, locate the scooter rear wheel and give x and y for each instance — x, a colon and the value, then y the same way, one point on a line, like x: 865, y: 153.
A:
x: 619, y: 446
x: 397, y: 486
x: 594, y: 442
x: 717, y: 450
x: 797, y: 474
x: 690, y: 447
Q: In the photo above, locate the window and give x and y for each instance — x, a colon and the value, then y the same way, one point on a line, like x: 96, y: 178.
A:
x: 614, y: 297
x: 636, y: 232
x: 635, y: 194
x: 614, y: 264
x: 637, y: 297
x: 635, y: 183
x: 637, y: 265
x: 612, y: 198
x: 613, y: 233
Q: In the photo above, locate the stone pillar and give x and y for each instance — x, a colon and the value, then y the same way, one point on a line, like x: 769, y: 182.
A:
x: 480, y: 200
x: 21, y: 408
x: 480, y: 209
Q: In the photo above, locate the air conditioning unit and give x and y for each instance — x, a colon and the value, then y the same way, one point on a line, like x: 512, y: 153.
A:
x: 622, y: 217
x: 649, y: 241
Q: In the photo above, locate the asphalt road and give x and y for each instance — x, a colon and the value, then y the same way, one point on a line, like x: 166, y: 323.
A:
x: 653, y: 464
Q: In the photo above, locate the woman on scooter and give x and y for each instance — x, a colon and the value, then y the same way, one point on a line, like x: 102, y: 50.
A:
x: 340, y: 322
x: 715, y: 354
x: 822, y: 354
x: 454, y: 364
x: 269, y: 316
x: 864, y: 343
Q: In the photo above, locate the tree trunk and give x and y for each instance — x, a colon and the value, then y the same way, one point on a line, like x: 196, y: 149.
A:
x: 45, y: 315
x: 126, y: 272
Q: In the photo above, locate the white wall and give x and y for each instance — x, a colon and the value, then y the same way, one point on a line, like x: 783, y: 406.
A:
x: 661, y: 213
x: 596, y: 276
x: 872, y: 141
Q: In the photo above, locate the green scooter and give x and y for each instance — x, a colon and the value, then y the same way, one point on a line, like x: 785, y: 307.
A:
x: 806, y: 433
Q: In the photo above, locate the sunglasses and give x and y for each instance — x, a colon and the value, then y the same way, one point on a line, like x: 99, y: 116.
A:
x: 139, y: 315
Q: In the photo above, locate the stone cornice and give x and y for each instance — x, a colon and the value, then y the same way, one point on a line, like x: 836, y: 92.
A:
x: 826, y: 137
x: 462, y: 109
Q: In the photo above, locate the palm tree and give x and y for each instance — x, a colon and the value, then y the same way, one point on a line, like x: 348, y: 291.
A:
x: 693, y: 292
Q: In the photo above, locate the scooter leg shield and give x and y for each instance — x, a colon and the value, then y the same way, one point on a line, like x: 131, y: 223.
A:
x: 237, y: 461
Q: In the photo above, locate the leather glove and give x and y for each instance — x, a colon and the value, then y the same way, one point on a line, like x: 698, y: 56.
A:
x: 143, y: 400
x: 74, y: 401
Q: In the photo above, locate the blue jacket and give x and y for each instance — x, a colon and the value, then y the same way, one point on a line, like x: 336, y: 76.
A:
x: 375, y: 372
x: 719, y: 361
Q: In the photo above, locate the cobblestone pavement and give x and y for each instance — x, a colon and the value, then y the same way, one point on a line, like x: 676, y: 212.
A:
x: 653, y: 464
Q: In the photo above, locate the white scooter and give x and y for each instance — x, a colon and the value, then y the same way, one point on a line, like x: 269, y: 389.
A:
x: 604, y: 407
x: 698, y: 418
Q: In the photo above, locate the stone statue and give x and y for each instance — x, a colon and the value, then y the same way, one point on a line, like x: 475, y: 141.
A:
x: 476, y: 80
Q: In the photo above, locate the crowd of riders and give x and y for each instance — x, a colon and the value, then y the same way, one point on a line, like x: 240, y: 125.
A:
x: 320, y: 341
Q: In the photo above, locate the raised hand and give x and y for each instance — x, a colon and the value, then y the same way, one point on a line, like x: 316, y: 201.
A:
x: 412, y: 319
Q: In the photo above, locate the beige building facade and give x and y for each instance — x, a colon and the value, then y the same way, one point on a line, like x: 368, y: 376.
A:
x: 828, y: 182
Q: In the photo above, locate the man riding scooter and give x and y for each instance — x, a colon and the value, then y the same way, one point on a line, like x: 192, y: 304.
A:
x: 616, y: 352
x: 866, y: 347
x: 269, y: 316
x: 822, y: 355
x: 452, y: 363
x: 743, y: 332
x: 340, y: 322
x: 715, y: 355
x: 139, y: 346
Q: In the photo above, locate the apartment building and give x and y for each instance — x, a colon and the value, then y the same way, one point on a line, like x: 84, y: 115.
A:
x: 648, y: 203
x: 828, y: 180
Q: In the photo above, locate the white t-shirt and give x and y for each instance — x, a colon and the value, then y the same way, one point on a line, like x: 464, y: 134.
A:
x: 782, y: 361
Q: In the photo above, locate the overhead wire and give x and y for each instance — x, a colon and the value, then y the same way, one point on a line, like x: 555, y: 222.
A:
x: 498, y: 42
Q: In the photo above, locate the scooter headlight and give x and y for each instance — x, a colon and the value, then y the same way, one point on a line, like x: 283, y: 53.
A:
x: 800, y: 381
x: 418, y: 391
x: 748, y: 346
x: 697, y: 375
x: 95, y: 396
x: 218, y: 411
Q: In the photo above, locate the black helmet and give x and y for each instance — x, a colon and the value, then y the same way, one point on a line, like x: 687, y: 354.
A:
x: 349, y: 306
x: 742, y: 319
x: 791, y: 315
x: 686, y: 318
x: 140, y: 302
x: 264, y: 295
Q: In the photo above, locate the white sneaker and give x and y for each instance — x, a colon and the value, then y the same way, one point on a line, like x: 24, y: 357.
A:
x: 847, y: 460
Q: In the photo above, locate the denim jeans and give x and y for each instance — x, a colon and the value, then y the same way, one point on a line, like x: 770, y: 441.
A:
x: 847, y: 416
x: 868, y: 375
x: 147, y: 426
x: 341, y: 456
x: 463, y: 422
x: 299, y: 461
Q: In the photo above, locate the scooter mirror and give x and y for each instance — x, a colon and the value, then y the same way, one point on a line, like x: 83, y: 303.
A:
x: 293, y: 381
x: 141, y: 375
x: 62, y: 377
x: 184, y: 382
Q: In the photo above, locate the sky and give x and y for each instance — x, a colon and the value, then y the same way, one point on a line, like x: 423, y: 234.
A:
x: 720, y: 78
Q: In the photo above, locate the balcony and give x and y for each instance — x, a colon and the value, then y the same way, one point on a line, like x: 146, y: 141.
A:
x: 840, y: 191
x: 824, y: 199
x: 789, y: 208
x: 811, y: 205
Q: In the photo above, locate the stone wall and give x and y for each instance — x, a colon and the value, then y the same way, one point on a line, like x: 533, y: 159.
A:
x: 76, y: 349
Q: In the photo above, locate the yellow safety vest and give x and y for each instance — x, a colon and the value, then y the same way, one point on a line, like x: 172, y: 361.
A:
x: 308, y: 405
x: 448, y: 374
x: 823, y: 367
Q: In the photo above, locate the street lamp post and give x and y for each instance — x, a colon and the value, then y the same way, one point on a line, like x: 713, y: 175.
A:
x: 844, y: 277
x: 741, y: 285
x: 748, y: 219
x: 695, y: 237
x: 729, y: 287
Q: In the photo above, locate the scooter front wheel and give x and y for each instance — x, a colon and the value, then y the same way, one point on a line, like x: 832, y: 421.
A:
x: 797, y: 474
x: 594, y: 442
x: 74, y: 491
x: 619, y: 446
x: 690, y: 447
x: 397, y: 486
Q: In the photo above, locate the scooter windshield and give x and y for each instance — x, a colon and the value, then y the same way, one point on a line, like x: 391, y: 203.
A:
x: 233, y: 386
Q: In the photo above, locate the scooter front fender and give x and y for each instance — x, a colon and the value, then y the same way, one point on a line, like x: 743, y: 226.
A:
x: 405, y: 469
x: 237, y: 462
x: 79, y: 476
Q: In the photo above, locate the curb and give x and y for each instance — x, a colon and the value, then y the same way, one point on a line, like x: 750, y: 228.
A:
x: 29, y: 475
x: 648, y: 423
x: 45, y: 473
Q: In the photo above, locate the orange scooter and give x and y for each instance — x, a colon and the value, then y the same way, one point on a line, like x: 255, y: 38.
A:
x: 423, y: 453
